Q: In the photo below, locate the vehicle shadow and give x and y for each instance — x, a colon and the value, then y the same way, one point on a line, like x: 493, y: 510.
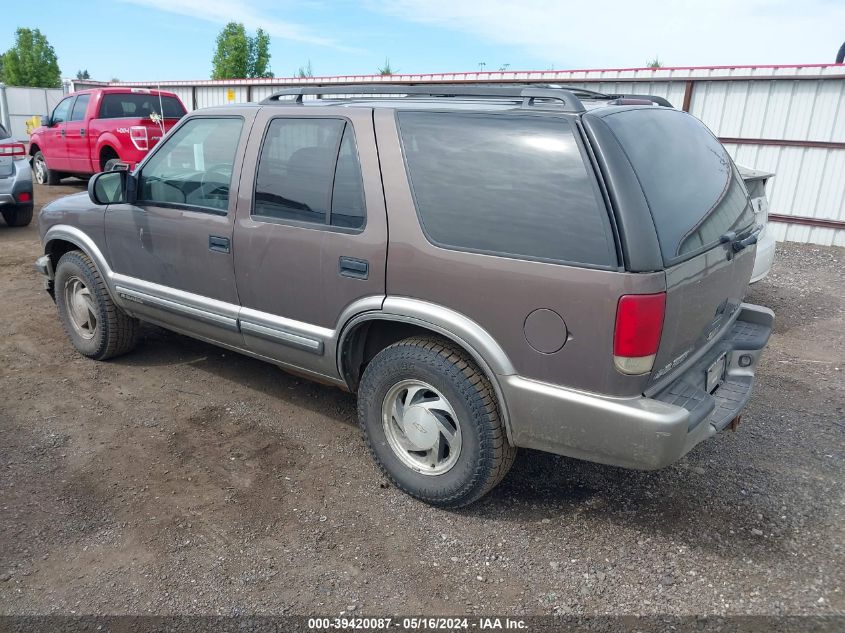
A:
x: 696, y: 501
x: 158, y: 347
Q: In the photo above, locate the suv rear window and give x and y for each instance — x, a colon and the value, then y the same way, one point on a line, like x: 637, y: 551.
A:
x: 505, y: 185
x: 3, y: 132
x: 139, y: 105
x: 692, y: 187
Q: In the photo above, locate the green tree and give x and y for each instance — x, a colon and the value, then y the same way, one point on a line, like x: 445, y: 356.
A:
x: 83, y: 74
x: 260, y: 54
x: 31, y: 61
x: 239, y: 56
x: 387, y: 69
x: 305, y: 71
x: 655, y: 63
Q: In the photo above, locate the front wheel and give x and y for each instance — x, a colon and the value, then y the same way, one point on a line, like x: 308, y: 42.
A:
x: 432, y: 422
x: 97, y: 327
x: 43, y: 174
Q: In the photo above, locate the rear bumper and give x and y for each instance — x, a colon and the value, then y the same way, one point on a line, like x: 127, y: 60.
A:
x: 20, y: 181
x: 643, y: 433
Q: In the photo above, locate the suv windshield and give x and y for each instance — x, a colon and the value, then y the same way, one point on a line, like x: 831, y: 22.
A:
x: 139, y: 105
x: 690, y: 182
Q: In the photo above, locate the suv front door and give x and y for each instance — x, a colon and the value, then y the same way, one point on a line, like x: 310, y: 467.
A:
x: 311, y: 233
x: 172, y: 248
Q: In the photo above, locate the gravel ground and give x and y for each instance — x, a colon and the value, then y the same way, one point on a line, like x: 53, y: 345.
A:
x: 185, y: 479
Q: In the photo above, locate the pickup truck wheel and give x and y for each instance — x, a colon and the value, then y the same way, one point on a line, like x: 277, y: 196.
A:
x: 43, y: 174
x: 432, y: 422
x: 111, y: 162
x: 20, y: 216
x: 95, y: 325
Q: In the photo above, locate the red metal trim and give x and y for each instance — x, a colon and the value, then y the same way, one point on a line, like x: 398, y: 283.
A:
x: 492, y: 75
x: 823, y: 223
x: 783, y: 142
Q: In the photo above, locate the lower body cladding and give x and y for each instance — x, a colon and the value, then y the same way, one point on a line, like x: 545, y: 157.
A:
x: 643, y: 433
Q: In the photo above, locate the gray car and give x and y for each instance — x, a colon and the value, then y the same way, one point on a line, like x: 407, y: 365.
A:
x: 487, y: 267
x: 15, y: 181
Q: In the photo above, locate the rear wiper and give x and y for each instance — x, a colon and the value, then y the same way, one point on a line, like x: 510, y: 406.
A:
x: 740, y: 243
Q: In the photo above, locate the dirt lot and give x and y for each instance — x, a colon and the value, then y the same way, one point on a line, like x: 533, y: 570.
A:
x: 186, y: 479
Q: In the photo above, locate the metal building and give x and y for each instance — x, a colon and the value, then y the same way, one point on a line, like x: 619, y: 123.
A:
x: 785, y: 119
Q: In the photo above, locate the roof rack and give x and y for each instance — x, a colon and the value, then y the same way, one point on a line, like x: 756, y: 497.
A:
x: 617, y: 99
x: 526, y: 95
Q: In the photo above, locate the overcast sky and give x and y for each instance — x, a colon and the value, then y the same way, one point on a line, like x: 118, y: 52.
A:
x: 146, y: 40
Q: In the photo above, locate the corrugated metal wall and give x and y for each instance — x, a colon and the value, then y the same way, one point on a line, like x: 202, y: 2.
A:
x: 18, y: 104
x: 785, y: 119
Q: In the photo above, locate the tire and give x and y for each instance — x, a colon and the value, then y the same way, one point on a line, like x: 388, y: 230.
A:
x: 111, y: 162
x: 43, y: 174
x: 19, y: 216
x: 109, y: 330
x: 449, y: 382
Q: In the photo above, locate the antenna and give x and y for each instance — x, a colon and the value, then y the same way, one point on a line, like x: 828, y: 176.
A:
x: 161, y: 109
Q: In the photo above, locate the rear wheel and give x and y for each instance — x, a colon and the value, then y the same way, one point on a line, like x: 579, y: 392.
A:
x: 43, y: 174
x: 95, y: 325
x: 19, y: 216
x: 110, y: 163
x: 432, y: 422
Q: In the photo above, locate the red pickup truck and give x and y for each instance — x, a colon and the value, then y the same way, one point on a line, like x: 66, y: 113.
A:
x: 90, y: 130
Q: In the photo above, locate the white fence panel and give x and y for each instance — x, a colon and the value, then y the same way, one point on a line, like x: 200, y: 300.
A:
x: 25, y: 103
x: 785, y: 119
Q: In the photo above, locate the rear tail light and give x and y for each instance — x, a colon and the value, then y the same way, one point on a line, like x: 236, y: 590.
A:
x: 138, y: 135
x: 15, y: 150
x: 639, y: 324
x: 24, y: 196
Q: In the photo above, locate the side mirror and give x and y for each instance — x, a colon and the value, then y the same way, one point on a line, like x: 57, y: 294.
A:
x: 112, y: 187
x: 45, y: 121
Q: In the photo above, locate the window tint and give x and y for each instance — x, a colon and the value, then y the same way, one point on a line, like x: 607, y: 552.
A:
x: 79, y: 107
x: 306, y: 167
x: 60, y: 114
x: 692, y: 187
x: 139, y: 105
x: 508, y: 185
x: 194, y: 165
x: 3, y: 132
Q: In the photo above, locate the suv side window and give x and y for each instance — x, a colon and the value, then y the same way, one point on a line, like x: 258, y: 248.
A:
x: 79, y: 108
x: 60, y: 114
x: 508, y: 185
x: 309, y: 172
x: 194, y: 165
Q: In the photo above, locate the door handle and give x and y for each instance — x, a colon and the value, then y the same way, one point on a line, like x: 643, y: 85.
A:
x: 63, y: 132
x: 82, y: 131
x: 218, y: 244
x: 355, y: 268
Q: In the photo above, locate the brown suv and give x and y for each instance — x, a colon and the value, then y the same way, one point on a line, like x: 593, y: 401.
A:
x: 487, y: 267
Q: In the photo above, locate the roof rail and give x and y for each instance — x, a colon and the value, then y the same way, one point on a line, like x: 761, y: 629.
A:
x: 620, y: 99
x: 526, y: 95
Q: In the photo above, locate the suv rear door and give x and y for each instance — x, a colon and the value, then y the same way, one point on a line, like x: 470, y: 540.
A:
x: 311, y: 234
x: 700, y: 209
